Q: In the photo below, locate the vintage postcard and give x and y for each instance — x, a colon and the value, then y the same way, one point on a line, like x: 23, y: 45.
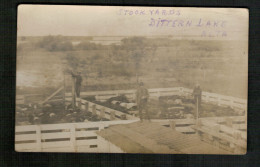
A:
x: 122, y: 79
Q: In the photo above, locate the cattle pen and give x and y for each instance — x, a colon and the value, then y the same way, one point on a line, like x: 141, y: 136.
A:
x: 228, y: 133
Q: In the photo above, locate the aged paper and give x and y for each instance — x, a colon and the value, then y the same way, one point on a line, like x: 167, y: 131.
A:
x: 131, y: 79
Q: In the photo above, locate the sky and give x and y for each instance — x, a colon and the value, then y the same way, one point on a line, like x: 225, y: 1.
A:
x: 68, y: 20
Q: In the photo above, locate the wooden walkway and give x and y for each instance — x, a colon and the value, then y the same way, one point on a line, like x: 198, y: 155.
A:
x: 150, y: 137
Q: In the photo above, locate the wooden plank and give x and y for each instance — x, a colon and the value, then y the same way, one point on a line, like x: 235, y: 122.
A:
x: 118, y: 92
x: 73, y: 138
x: 223, y: 119
x: 25, y: 128
x: 25, y: 146
x: 107, y: 116
x: 101, y: 123
x: 118, y: 113
x: 88, y: 125
x: 55, y: 126
x: 154, y: 92
x: 55, y: 135
x: 85, y: 134
x: 206, y: 130
x: 53, y: 94
x: 142, y: 140
x: 225, y: 129
x: 56, y: 144
x: 25, y: 137
x: 38, y: 138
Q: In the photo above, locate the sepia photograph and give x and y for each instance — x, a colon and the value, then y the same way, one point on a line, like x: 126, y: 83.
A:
x: 124, y: 79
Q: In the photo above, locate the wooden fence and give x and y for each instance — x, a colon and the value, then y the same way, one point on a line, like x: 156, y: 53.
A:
x: 102, y: 111
x: 69, y: 137
x: 226, y: 132
x: 130, y: 94
x: 221, y: 100
x: 229, y: 133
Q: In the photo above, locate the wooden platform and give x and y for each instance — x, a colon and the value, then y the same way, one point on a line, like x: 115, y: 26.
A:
x: 150, y: 137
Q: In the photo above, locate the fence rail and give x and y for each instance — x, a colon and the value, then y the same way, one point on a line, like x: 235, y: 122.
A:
x: 73, y: 137
x: 221, y: 100
x: 231, y: 136
x: 102, y: 111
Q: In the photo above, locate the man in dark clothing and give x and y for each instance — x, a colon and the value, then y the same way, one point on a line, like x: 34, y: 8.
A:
x: 197, y: 95
x: 142, y: 96
x: 78, y: 82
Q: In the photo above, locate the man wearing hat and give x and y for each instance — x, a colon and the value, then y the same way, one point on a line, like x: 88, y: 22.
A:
x: 142, y: 96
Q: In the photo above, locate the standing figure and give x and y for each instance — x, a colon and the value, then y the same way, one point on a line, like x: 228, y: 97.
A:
x: 197, y: 97
x: 142, y: 96
x: 78, y: 82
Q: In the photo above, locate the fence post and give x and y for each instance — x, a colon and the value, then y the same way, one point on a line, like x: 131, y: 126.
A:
x: 78, y: 103
x: 73, y: 138
x: 199, y: 124
x: 38, y: 138
x: 94, y: 112
x: 86, y: 106
x: 112, y: 115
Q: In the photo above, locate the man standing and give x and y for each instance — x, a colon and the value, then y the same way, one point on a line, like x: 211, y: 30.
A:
x: 197, y: 94
x: 78, y: 81
x: 197, y: 97
x: 142, y: 96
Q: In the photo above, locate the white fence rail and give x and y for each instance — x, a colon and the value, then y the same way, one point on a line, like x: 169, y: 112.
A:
x: 81, y: 137
x: 231, y: 136
x: 70, y: 137
x: 102, y: 111
x: 130, y: 94
x: 221, y: 100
